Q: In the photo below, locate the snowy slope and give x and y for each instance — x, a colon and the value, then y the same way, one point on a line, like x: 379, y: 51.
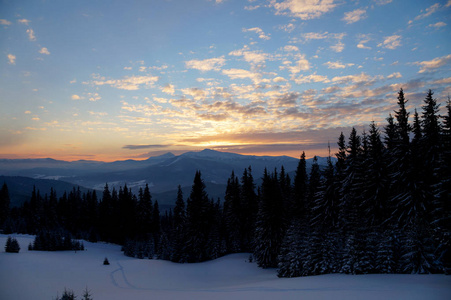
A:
x: 41, y: 275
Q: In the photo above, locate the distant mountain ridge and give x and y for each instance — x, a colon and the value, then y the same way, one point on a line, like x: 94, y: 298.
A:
x: 163, y: 173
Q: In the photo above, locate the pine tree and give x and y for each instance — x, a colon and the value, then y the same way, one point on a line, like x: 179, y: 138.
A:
x: 4, y: 204
x: 270, y: 223
x: 325, y: 207
x: 87, y: 294
x: 431, y: 148
x: 199, y: 221
x: 12, y: 246
x: 232, y: 214
x: 351, y: 185
x: 313, y: 186
x: 299, y: 208
x: 145, y: 213
x: 390, y: 133
x: 179, y: 228
x: 249, y: 208
x: 292, y: 252
x: 374, y: 205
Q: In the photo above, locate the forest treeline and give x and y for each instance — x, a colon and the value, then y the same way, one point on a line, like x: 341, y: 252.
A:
x: 382, y: 207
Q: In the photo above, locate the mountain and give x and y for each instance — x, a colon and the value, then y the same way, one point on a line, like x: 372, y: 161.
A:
x: 163, y: 173
x: 20, y: 187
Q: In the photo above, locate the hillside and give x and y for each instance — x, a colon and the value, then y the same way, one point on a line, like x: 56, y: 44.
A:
x: 163, y: 173
x: 42, y: 275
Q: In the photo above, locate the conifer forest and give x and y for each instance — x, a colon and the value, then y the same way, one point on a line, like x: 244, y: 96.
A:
x: 382, y: 206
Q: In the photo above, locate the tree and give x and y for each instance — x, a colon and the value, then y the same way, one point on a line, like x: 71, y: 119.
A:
x: 299, y: 207
x: 12, y: 246
x: 431, y: 149
x: 402, y: 117
x: 4, y: 204
x: 199, y: 221
x: 270, y: 226
x: 249, y: 208
x: 351, y: 184
x: 87, y: 294
x: 325, y: 207
x: 145, y: 213
x: 179, y: 228
x: 374, y: 205
x: 232, y: 214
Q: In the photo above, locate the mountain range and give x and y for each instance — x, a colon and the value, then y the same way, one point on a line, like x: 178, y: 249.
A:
x: 163, y: 173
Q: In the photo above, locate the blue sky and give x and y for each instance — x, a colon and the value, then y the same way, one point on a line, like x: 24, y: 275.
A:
x: 111, y: 80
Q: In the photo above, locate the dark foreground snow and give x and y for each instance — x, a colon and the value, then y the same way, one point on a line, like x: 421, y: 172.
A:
x: 42, y: 275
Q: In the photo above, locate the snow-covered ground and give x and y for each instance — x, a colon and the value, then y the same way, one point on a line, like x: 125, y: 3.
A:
x: 42, y: 275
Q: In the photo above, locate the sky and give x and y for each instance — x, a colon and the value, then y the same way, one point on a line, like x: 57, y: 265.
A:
x: 113, y: 80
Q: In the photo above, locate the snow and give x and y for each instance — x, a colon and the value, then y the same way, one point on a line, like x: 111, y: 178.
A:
x: 43, y: 275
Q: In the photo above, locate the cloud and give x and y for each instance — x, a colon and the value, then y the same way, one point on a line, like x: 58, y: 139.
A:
x: 252, y: 57
x: 75, y: 97
x: 290, y: 48
x: 302, y: 64
x: 242, y: 74
x: 279, y: 79
x: 391, y: 42
x: 315, y: 36
x: 338, y: 47
x: 287, y: 28
x: 206, y: 64
x: 24, y: 21
x: 196, y: 93
x: 429, y: 11
x: 438, y: 24
x: 251, y: 7
x: 433, y: 64
x: 338, y: 37
x: 31, y: 35
x: 94, y: 97
x: 11, y: 59
x: 448, y: 4
x: 258, y: 31
x: 214, y: 117
x: 138, y: 147
x: 131, y: 83
x: 363, y: 40
x: 168, y: 89
x: 5, y: 22
x: 44, y: 50
x: 354, y: 16
x: 311, y: 78
x: 337, y: 65
x: 303, y: 9
x: 382, y: 2
x: 394, y: 75
x: 362, y: 77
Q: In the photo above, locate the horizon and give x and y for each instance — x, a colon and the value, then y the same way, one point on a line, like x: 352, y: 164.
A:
x: 121, y: 80
x: 175, y: 153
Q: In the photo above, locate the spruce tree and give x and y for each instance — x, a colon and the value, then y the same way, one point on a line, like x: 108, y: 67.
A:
x: 12, y: 246
x: 199, y: 221
x: 270, y: 224
x: 374, y: 205
x: 249, y: 207
x: 4, y: 204
x: 300, y: 190
x: 232, y: 214
x: 179, y: 228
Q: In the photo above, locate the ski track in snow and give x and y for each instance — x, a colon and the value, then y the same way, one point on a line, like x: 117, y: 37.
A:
x: 41, y: 275
x: 127, y: 284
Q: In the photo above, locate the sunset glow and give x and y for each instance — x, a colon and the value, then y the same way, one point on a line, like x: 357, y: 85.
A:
x: 113, y: 80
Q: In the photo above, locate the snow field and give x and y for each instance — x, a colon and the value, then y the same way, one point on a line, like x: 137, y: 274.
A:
x: 43, y: 275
